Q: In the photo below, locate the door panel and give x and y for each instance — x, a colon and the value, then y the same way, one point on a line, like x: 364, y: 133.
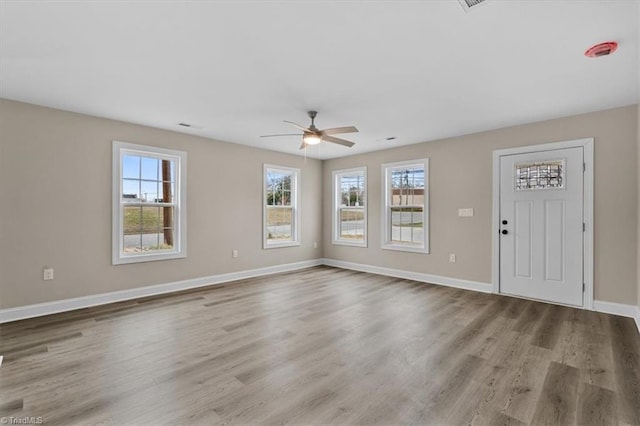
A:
x: 554, y: 238
x: 523, y: 238
x: 541, y: 212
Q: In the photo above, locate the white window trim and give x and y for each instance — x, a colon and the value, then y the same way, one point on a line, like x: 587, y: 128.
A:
x: 118, y: 256
x: 337, y: 198
x: 386, y: 243
x: 295, y: 231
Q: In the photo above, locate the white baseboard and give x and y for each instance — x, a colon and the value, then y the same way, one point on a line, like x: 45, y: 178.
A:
x: 415, y: 276
x: 40, y: 309
x: 631, y: 311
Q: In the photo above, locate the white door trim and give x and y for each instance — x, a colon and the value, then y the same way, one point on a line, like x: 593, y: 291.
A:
x: 587, y: 144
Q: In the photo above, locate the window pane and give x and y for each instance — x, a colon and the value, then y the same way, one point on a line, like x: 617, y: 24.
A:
x: 167, y: 217
x: 352, y: 224
x: 131, y: 166
x: 279, y: 223
x: 407, y: 186
x: 149, y: 191
x: 131, y: 229
x: 352, y: 189
x: 130, y: 190
x: 132, y: 220
x: 285, y: 199
x: 407, y: 225
x: 167, y: 239
x: 166, y: 170
x: 150, y: 168
x: 279, y: 188
x: 166, y: 192
x: 151, y: 220
x: 544, y: 175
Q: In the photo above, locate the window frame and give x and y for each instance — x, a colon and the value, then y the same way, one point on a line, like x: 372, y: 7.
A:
x: 387, y: 193
x: 120, y: 149
x: 337, y: 206
x: 295, y: 214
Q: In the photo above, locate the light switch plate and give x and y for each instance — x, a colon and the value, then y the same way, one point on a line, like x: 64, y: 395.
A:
x: 468, y: 212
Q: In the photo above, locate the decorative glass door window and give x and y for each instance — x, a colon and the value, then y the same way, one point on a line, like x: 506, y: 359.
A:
x: 540, y: 175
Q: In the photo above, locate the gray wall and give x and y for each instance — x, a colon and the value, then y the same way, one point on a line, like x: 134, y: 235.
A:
x: 461, y: 176
x: 638, y: 165
x: 55, y: 174
x: 56, y: 204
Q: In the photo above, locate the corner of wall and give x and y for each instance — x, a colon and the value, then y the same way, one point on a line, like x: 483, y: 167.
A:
x: 638, y: 168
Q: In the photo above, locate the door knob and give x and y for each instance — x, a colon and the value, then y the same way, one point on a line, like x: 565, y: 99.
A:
x: 504, y: 222
x: 505, y: 232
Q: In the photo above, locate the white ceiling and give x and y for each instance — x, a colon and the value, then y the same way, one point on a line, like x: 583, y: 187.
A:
x: 416, y: 70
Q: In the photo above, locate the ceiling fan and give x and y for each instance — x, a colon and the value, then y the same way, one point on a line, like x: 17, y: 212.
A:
x: 312, y: 135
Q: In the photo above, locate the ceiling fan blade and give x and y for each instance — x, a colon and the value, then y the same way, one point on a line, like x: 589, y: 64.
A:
x: 338, y: 130
x: 284, y: 134
x: 338, y: 141
x: 304, y: 145
x: 304, y: 129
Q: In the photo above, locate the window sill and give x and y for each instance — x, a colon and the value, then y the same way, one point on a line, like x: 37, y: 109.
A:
x: 151, y: 257
x: 267, y: 246
x: 410, y: 249
x: 349, y: 243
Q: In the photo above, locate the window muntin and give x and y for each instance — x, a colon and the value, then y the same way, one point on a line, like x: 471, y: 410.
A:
x: 280, y: 206
x: 405, y: 206
x: 350, y: 212
x: 149, y: 203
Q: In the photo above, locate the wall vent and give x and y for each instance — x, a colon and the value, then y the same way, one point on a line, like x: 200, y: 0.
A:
x: 467, y: 5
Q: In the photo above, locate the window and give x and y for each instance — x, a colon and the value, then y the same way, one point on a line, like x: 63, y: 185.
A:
x: 406, y: 201
x: 546, y: 175
x: 349, y: 207
x: 280, y: 206
x: 149, y: 203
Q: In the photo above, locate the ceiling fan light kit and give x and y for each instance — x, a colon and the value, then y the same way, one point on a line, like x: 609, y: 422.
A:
x: 311, y: 139
x: 312, y: 135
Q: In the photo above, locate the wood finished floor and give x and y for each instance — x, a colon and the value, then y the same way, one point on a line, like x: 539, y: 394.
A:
x: 323, y: 346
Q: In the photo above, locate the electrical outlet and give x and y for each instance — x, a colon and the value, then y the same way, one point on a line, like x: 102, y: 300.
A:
x: 234, y: 254
x: 465, y: 212
x: 315, y: 244
x: 452, y: 257
x: 47, y: 274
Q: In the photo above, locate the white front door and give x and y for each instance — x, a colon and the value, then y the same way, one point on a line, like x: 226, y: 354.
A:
x: 541, y: 225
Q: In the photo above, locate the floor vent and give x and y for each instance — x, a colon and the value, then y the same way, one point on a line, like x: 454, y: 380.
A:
x: 467, y: 5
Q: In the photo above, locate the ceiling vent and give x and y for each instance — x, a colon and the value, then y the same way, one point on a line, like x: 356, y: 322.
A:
x: 467, y: 5
x: 190, y: 126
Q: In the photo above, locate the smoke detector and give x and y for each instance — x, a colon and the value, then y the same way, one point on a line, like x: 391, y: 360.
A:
x: 467, y: 5
x: 601, y: 49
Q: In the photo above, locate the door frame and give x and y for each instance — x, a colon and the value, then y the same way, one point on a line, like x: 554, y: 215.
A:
x: 587, y: 249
